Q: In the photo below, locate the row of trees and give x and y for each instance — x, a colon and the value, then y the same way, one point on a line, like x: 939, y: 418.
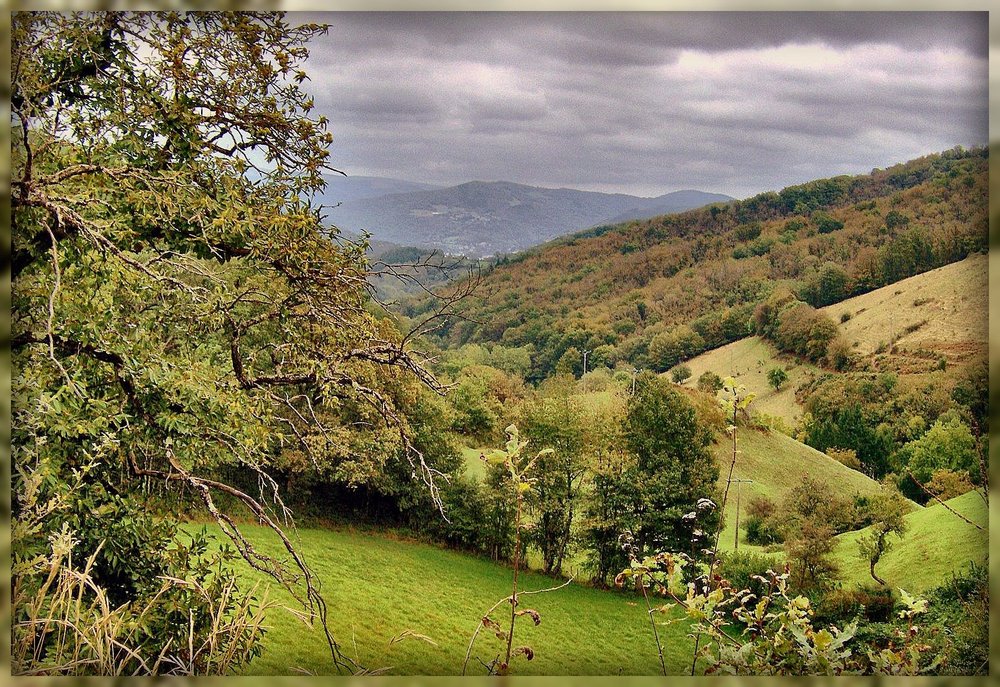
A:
x: 634, y: 465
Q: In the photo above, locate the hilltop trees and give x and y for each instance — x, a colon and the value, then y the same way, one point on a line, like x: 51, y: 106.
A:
x: 177, y: 307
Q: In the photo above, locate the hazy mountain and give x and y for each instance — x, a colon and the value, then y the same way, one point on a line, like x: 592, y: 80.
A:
x: 486, y: 218
x: 669, y: 203
x: 340, y: 189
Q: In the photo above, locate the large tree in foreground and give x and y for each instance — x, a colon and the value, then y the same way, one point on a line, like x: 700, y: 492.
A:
x: 177, y: 309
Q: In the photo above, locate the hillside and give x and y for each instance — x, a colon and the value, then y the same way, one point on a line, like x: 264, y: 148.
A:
x: 942, y: 311
x: 748, y: 361
x: 776, y: 464
x: 486, y: 218
x: 341, y: 189
x: 936, y: 545
x: 625, y: 286
x: 379, y: 588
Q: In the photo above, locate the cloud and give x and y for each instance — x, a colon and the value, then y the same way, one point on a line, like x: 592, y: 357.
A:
x: 647, y: 102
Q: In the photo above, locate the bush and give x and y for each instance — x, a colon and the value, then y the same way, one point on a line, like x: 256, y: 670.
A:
x: 874, y: 604
x: 761, y: 532
x: 740, y: 567
x: 709, y: 382
x: 845, y: 456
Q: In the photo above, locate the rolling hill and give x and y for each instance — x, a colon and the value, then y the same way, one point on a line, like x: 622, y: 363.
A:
x: 480, y: 219
x: 627, y: 285
x: 776, y: 464
x: 942, y: 312
x: 378, y: 589
x: 936, y: 545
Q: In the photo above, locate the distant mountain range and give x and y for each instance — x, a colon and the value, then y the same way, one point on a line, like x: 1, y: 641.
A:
x: 480, y: 218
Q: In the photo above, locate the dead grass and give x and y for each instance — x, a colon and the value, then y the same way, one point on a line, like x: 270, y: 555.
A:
x: 941, y: 312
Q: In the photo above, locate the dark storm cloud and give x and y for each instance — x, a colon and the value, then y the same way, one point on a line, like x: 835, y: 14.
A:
x: 647, y: 102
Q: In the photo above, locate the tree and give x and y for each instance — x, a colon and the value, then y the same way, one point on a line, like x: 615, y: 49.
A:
x: 673, y: 466
x: 948, y: 444
x: 709, y: 382
x: 777, y: 376
x: 809, y: 550
x: 178, y: 306
x: 554, y: 422
x: 886, y: 511
x: 680, y: 374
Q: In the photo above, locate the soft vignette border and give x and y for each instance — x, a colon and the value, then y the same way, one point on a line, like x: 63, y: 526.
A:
x: 509, y: 5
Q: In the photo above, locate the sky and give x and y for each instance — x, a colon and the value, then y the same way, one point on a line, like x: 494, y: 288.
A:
x: 647, y: 103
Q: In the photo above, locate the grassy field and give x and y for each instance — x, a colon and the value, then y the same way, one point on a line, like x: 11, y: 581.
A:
x: 748, y: 361
x: 943, y: 311
x: 378, y: 588
x: 777, y: 463
x: 937, y: 544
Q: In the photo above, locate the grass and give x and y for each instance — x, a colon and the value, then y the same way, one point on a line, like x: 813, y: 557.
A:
x: 777, y: 463
x: 748, y: 361
x: 945, y: 309
x: 378, y: 588
x: 936, y: 545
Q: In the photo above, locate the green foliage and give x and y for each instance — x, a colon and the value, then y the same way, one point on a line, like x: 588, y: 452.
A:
x: 948, y: 444
x: 518, y: 469
x: 179, y: 311
x: 557, y: 422
x: 709, y: 382
x: 146, y: 599
x: 885, y: 511
x: 778, y: 636
x: 777, y: 376
x: 673, y: 469
x: 680, y: 374
x: 826, y: 224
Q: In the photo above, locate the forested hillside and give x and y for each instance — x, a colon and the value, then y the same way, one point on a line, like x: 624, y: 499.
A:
x: 655, y: 292
x: 201, y: 365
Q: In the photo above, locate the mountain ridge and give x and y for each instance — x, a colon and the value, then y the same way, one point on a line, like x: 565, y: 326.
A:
x: 483, y: 218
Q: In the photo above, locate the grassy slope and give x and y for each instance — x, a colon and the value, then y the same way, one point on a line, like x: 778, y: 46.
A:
x: 937, y: 544
x: 951, y: 299
x: 377, y: 588
x: 777, y: 463
x: 748, y: 361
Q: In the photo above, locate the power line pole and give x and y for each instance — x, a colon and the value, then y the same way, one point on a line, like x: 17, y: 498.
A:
x: 585, y: 352
x: 635, y: 371
x: 739, y: 488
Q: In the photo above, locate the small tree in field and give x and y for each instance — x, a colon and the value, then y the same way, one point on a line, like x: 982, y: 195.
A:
x: 886, y: 510
x: 680, y: 374
x: 709, y: 382
x: 776, y: 376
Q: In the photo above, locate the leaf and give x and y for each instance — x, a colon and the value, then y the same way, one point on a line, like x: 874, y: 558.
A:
x: 535, y: 616
x: 526, y: 650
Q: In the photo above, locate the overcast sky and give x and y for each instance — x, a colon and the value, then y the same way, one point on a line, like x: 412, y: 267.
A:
x: 647, y: 103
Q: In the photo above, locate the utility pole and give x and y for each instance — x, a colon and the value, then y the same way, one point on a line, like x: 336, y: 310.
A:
x: 635, y: 371
x: 585, y: 352
x: 739, y: 486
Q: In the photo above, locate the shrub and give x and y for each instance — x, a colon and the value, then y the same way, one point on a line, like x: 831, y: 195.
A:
x: 776, y: 376
x: 761, y: 532
x: 740, y: 568
x: 874, y: 604
x: 709, y: 382
x: 845, y: 456
x: 946, y: 484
